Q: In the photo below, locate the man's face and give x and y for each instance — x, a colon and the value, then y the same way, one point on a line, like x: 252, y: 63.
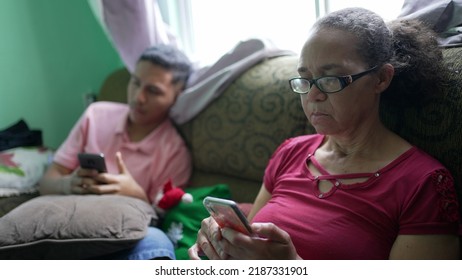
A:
x: 150, y: 94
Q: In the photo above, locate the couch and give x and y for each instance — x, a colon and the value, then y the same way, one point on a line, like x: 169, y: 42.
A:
x: 232, y: 139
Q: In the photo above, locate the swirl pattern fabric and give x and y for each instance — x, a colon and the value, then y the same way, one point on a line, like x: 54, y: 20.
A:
x: 237, y: 133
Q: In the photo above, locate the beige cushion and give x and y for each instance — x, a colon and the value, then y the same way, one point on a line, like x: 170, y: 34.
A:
x: 73, y: 227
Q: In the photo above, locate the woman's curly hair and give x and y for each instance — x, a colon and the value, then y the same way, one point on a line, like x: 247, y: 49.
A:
x: 418, y: 61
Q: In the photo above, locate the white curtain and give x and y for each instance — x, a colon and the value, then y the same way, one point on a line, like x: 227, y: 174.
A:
x: 132, y: 26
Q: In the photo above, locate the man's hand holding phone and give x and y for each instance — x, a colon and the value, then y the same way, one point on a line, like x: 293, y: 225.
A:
x: 99, y: 181
x: 91, y: 165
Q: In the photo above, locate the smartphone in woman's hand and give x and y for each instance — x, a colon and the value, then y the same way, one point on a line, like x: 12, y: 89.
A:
x: 227, y: 214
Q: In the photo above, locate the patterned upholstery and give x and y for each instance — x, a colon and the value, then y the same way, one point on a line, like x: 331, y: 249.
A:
x: 238, y: 132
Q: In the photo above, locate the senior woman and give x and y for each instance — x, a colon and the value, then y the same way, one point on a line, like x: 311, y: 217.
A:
x: 354, y: 190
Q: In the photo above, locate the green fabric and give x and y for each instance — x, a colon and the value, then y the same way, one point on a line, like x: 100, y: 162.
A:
x: 182, y: 222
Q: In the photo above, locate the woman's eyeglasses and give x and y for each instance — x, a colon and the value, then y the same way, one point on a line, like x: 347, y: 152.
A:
x: 327, y: 84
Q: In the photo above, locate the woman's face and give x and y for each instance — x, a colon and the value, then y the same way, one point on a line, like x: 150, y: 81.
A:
x: 151, y: 93
x: 331, y: 52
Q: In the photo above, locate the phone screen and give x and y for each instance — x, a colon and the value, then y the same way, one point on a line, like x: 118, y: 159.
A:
x: 92, y: 161
x: 227, y: 214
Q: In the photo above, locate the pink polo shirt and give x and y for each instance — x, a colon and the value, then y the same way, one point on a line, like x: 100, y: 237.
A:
x: 152, y: 161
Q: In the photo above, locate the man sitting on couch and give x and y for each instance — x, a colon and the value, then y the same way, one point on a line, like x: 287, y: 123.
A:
x: 153, y: 152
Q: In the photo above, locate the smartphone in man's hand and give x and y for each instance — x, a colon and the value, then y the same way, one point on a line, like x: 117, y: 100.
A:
x: 92, y: 161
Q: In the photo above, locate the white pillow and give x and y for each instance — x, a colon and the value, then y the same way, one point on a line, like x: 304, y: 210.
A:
x: 21, y: 168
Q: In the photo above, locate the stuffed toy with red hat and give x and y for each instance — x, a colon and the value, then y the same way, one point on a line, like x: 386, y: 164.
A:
x: 170, y: 197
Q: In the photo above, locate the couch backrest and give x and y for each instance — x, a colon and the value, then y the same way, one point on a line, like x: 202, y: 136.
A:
x: 237, y: 133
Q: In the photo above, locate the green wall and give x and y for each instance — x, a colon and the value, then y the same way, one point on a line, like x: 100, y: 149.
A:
x: 52, y: 52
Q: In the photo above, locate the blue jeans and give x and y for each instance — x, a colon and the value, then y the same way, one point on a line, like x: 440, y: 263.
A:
x: 155, y: 245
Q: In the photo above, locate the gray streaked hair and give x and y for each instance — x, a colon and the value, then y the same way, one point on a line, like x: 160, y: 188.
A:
x: 374, y: 37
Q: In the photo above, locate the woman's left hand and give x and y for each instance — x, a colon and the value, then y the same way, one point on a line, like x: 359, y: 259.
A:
x: 267, y: 242
x: 271, y: 243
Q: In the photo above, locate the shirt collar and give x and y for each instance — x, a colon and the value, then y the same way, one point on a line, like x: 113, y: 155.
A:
x: 146, y: 145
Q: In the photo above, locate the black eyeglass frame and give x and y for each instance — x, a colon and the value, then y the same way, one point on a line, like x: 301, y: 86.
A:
x: 344, y: 81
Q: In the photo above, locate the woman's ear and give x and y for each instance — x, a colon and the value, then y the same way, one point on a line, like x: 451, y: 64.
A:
x: 385, y: 75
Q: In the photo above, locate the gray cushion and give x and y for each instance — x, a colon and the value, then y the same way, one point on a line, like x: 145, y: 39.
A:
x: 73, y: 226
